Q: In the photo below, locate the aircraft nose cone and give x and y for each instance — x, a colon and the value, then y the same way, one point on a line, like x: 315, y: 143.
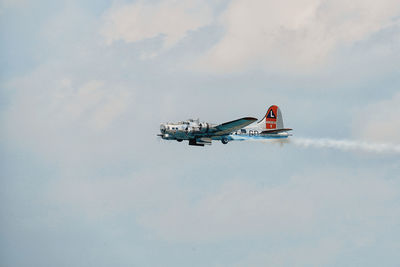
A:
x: 162, y: 128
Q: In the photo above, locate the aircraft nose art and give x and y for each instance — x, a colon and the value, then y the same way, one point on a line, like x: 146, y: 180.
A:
x: 271, y: 118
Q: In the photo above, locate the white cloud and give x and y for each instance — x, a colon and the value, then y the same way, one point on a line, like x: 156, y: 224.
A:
x: 241, y: 209
x: 109, y: 196
x: 334, y: 203
x: 56, y: 115
x: 12, y: 3
x: 323, y: 252
x: 64, y: 104
x: 142, y: 20
x: 379, y: 121
x: 294, y: 35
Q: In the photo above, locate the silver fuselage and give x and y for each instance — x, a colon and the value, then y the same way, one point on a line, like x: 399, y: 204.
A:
x: 190, y: 129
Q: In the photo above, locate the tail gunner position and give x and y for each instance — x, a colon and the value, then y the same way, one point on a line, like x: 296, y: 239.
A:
x: 202, y: 133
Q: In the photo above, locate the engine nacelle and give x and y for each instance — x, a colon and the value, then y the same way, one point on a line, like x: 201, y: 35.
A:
x: 198, y: 128
x: 188, y: 128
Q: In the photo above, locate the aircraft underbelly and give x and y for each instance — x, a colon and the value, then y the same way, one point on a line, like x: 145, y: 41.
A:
x: 235, y: 137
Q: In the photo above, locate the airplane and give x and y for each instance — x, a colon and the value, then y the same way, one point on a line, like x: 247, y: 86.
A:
x: 202, y: 133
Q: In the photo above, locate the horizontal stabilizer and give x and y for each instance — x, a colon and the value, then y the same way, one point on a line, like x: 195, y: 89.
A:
x: 275, y: 131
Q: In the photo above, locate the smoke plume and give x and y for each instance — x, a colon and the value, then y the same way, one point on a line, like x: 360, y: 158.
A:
x: 346, y: 145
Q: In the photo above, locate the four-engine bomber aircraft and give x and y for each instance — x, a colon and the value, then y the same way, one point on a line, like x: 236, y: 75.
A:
x: 202, y: 133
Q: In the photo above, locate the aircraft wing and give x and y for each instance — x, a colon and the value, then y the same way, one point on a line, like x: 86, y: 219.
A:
x: 231, y: 126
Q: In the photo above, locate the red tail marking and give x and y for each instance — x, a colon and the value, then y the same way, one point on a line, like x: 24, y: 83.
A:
x: 270, y: 117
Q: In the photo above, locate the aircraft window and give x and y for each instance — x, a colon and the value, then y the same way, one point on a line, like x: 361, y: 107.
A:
x: 243, y: 131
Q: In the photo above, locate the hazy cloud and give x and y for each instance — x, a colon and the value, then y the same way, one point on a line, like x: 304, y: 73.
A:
x: 241, y: 208
x: 86, y: 177
x: 291, y: 35
x: 54, y: 114
x: 379, y: 121
x: 143, y: 20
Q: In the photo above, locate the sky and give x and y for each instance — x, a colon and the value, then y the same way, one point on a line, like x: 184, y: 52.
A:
x: 84, y: 86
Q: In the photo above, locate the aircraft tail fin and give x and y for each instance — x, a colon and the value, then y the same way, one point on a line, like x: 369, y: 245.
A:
x: 272, y: 120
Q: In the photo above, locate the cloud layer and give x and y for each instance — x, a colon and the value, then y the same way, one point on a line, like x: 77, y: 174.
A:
x: 379, y: 121
x: 294, y: 35
x: 167, y: 18
x: 290, y: 36
x: 307, y: 202
x: 85, y: 177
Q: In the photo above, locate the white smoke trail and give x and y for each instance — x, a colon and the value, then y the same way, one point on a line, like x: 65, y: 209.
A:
x: 346, y: 145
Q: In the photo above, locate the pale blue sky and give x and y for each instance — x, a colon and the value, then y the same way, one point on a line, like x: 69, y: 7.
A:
x: 84, y: 86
